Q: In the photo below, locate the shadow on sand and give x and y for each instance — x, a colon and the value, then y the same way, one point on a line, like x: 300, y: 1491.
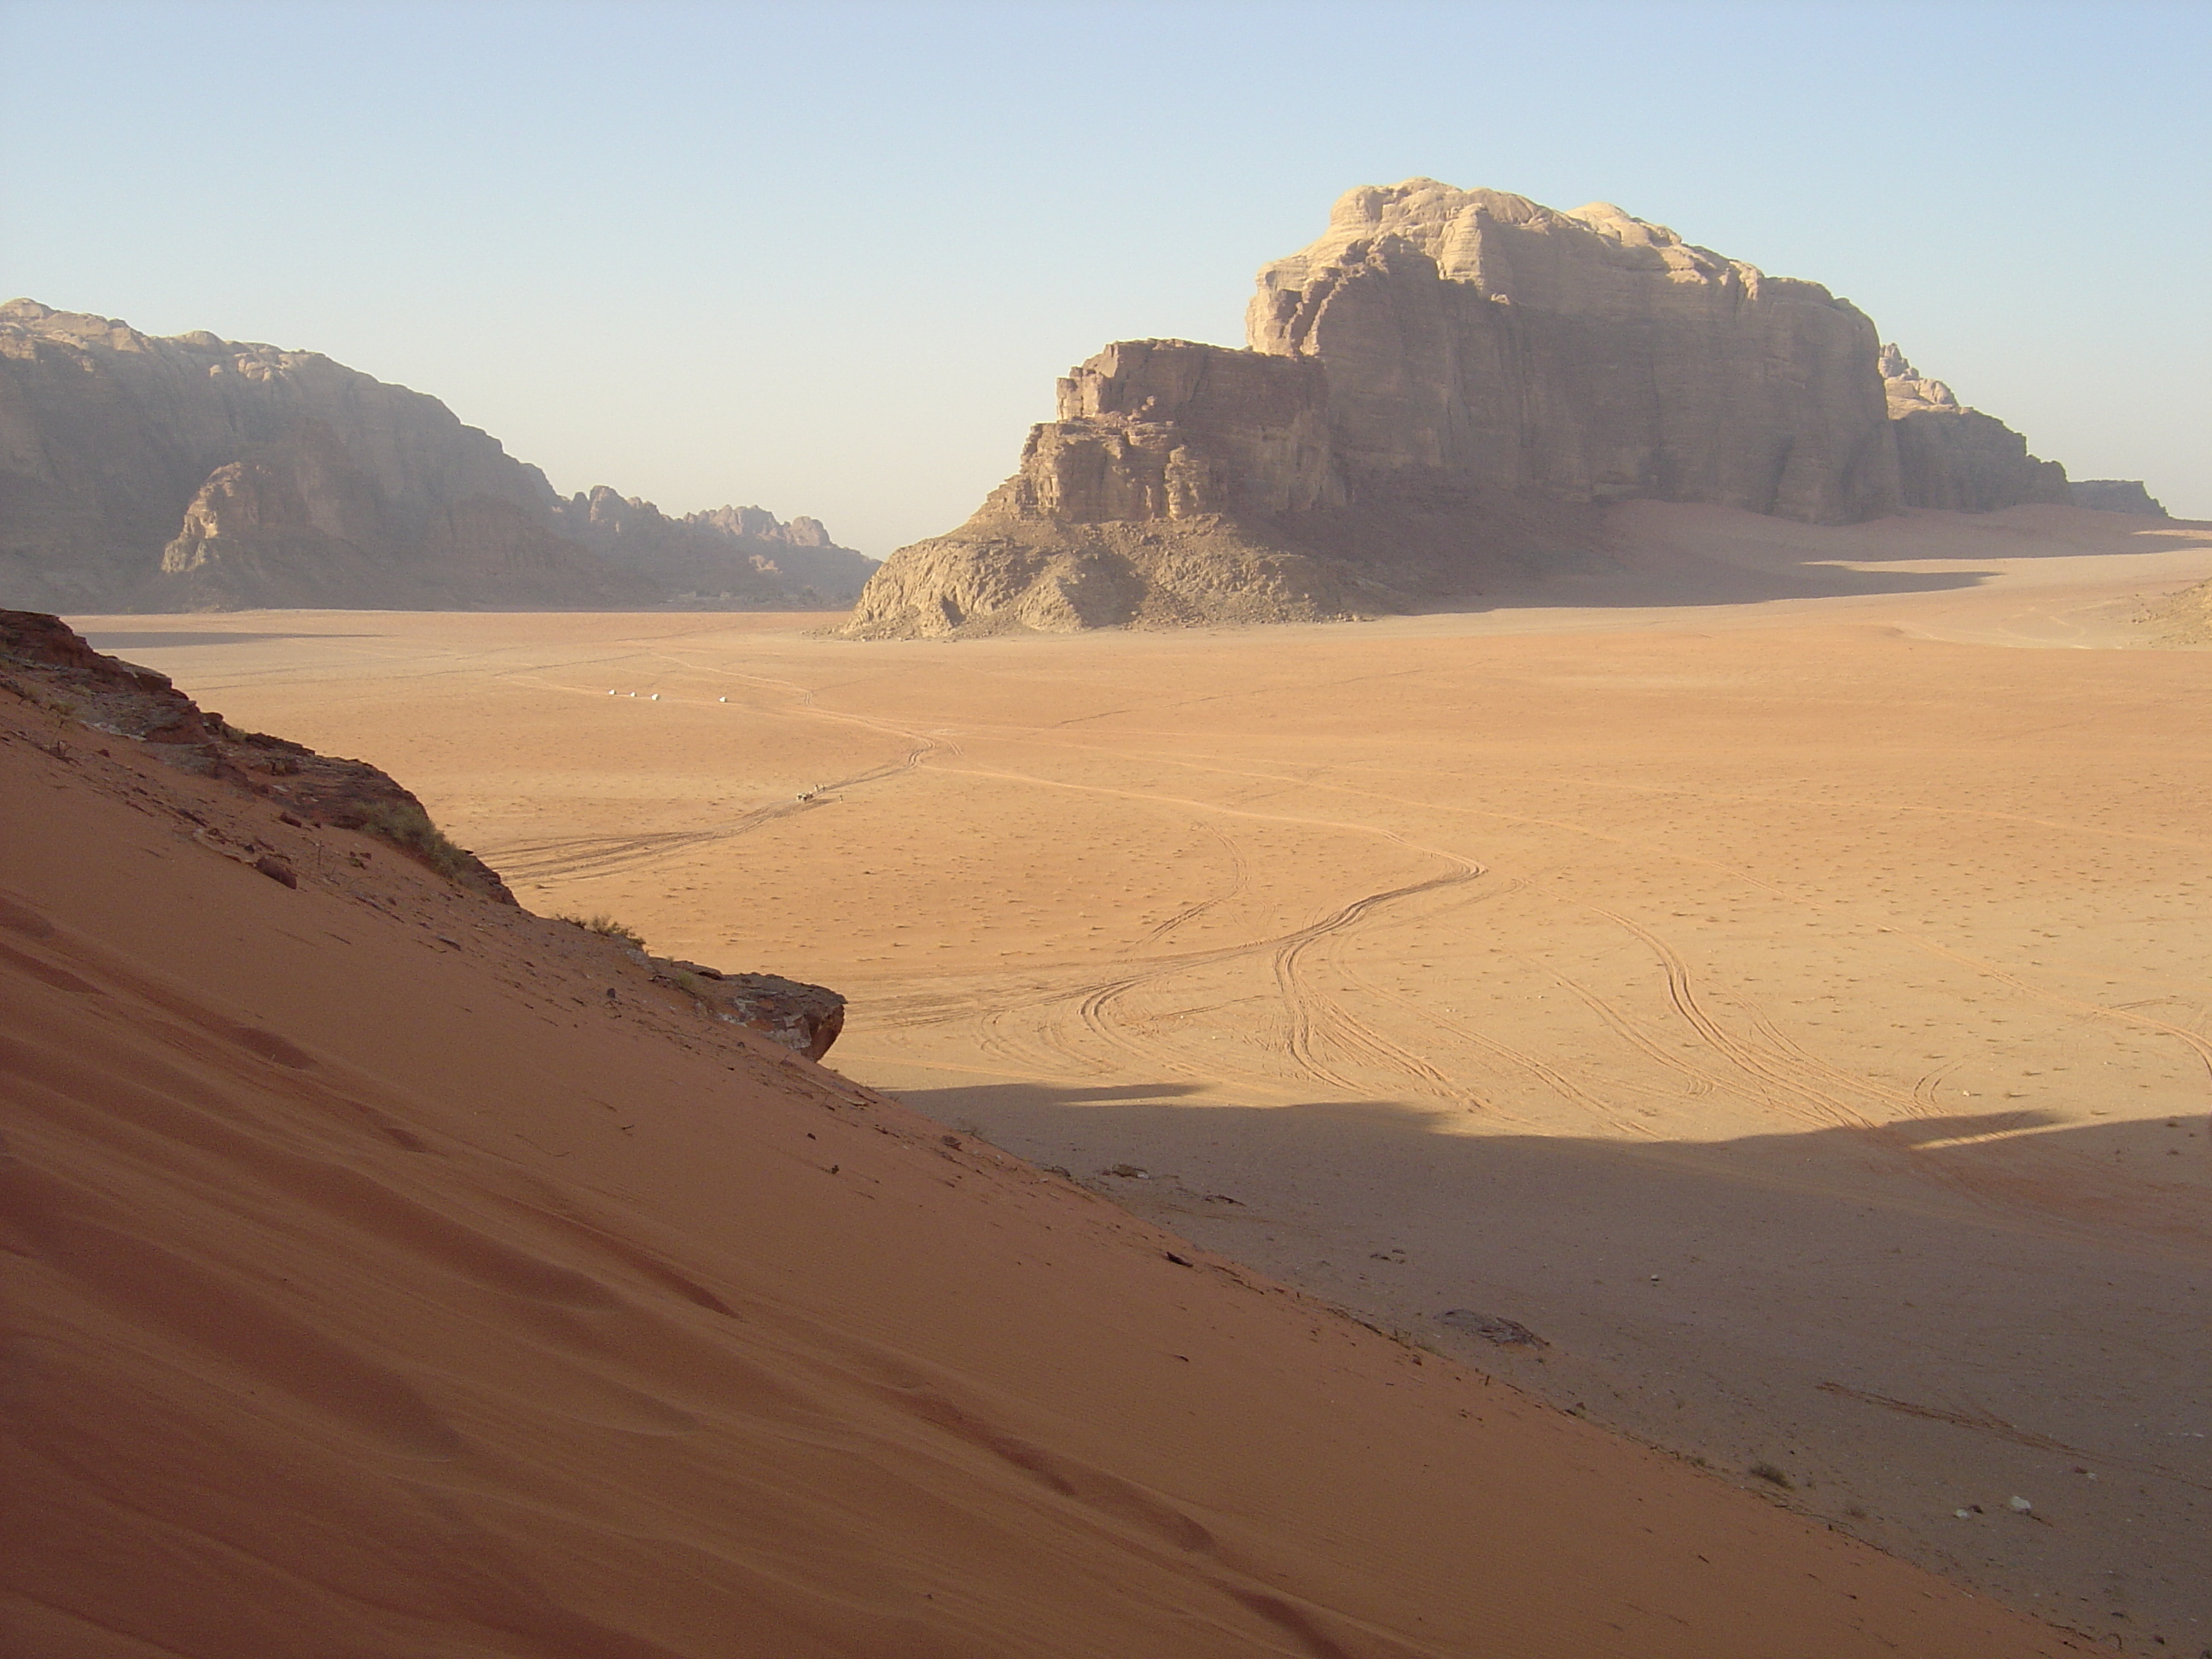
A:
x: 1906, y: 1319
x: 1916, y: 1254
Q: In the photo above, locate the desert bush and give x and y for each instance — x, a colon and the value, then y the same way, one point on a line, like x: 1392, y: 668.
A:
x: 606, y: 927
x: 408, y: 826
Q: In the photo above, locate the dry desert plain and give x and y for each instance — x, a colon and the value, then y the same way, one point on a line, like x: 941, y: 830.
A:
x: 1768, y: 976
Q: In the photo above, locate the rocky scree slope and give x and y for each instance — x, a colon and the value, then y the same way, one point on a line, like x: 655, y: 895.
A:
x: 139, y: 473
x: 1447, y: 387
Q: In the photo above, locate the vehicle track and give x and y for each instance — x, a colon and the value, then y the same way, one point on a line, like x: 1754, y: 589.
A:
x: 603, y: 855
x: 1314, y: 1019
x: 1777, y: 1077
x: 1507, y: 1056
x: 2124, y: 1013
x: 1699, y: 1082
x: 1237, y: 880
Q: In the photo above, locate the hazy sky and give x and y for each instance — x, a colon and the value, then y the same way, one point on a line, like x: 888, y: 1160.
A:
x: 829, y: 259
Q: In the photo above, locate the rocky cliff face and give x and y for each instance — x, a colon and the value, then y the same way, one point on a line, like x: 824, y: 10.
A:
x: 1957, y: 459
x: 1170, y: 429
x: 192, y: 473
x: 2116, y: 496
x: 1160, y: 496
x: 1476, y: 342
x: 1448, y: 385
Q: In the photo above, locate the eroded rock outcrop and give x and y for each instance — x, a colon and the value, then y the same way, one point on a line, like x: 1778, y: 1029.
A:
x: 1447, y: 387
x: 47, y: 663
x: 193, y: 472
x: 804, y: 1018
x: 2116, y: 496
x: 1476, y: 341
x: 1163, y: 494
x: 1958, y: 459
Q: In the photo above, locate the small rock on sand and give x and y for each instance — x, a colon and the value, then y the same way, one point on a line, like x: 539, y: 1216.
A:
x: 1493, y: 1327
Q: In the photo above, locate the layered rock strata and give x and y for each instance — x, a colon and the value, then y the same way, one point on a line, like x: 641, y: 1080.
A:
x: 1957, y: 459
x: 1447, y: 387
x: 193, y: 472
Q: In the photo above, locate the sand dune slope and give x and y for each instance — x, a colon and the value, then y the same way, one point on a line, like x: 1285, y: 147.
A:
x: 387, y: 1273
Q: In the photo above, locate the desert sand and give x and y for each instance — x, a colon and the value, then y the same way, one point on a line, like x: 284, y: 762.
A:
x: 1769, y: 974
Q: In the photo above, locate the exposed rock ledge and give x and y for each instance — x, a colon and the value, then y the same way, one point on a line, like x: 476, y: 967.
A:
x: 2116, y: 496
x: 804, y: 1018
x: 43, y: 660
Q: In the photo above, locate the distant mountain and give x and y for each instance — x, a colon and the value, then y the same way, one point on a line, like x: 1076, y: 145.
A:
x: 1448, y: 386
x: 140, y: 473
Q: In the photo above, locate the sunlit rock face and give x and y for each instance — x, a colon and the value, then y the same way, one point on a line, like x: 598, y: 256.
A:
x: 1477, y: 342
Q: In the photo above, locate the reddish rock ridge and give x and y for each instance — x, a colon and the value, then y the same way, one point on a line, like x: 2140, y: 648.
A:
x: 804, y: 1018
x: 139, y: 473
x: 1447, y: 387
x: 45, y: 662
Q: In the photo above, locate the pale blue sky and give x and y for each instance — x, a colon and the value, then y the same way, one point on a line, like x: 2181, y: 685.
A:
x: 829, y: 259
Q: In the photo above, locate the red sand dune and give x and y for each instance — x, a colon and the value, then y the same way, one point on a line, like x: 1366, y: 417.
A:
x: 390, y: 1273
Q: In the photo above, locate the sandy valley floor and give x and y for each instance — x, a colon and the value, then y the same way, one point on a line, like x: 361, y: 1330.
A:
x: 1792, y: 1010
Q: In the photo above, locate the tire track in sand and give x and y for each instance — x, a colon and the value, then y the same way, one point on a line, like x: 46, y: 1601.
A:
x: 1783, y: 1083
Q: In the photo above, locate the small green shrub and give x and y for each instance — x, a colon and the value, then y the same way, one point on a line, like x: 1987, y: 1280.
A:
x: 409, y: 829
x: 606, y: 927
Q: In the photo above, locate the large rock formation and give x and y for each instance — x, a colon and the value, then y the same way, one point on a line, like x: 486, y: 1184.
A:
x: 1476, y: 341
x: 192, y: 473
x: 1446, y: 385
x: 1958, y: 459
x: 1160, y: 495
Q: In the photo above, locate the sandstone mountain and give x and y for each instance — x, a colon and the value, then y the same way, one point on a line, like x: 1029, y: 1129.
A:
x: 192, y: 473
x: 1447, y: 387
